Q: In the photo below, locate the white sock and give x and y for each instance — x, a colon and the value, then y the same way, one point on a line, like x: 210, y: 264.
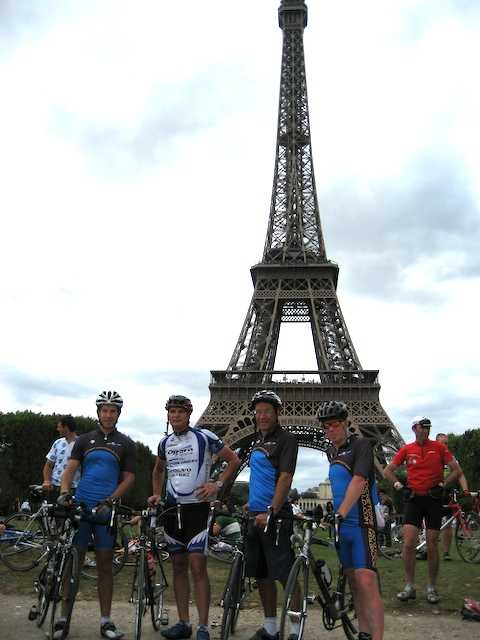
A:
x: 270, y: 626
x: 104, y: 619
x: 294, y: 627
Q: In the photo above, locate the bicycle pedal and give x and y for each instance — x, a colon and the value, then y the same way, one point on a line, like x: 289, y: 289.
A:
x: 164, y: 619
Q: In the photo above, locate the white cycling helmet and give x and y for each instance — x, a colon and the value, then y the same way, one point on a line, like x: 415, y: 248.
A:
x: 110, y: 397
x: 422, y: 421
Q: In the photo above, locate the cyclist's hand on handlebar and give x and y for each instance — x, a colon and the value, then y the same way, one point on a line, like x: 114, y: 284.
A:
x: 103, y: 510
x: 466, y: 493
x: 64, y: 500
x: 154, y: 500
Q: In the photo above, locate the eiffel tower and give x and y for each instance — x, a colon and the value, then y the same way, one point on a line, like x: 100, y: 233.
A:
x: 295, y: 282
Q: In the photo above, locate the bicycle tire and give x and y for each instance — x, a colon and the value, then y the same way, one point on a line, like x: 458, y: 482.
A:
x: 299, y: 571
x: 467, y: 541
x: 68, y: 575
x: 232, y: 597
x: 157, y: 593
x: 45, y: 584
x: 394, y: 551
x: 346, y: 602
x: 25, y: 544
x: 139, y: 600
x: 120, y: 554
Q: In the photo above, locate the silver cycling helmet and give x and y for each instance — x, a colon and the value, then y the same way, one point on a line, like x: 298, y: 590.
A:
x: 332, y: 410
x: 265, y: 396
x: 110, y: 397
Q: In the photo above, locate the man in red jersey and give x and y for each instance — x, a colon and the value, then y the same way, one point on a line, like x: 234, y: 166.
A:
x: 425, y: 460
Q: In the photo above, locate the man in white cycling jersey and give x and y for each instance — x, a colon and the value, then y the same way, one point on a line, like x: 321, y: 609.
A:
x: 186, y: 454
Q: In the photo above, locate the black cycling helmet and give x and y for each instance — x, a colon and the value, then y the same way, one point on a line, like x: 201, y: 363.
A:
x: 332, y: 410
x: 110, y: 397
x: 266, y: 396
x: 423, y: 422
x: 179, y: 401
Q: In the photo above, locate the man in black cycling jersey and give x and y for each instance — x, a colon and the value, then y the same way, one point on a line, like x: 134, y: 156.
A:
x: 107, y: 461
x: 186, y: 454
x: 269, y: 555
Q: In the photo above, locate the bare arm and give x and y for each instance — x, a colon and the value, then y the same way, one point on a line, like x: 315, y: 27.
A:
x: 158, y: 477
x: 68, y: 474
x: 455, y: 473
x: 389, y: 473
x: 280, y: 496
x: 128, y: 480
x: 353, y: 493
x: 47, y: 473
x: 463, y: 482
x: 210, y: 489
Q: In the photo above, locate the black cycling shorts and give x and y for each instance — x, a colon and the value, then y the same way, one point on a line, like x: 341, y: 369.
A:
x: 424, y: 507
x: 264, y: 557
x: 190, y: 534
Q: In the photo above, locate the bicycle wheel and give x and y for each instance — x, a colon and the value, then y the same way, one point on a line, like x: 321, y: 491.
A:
x: 44, y: 585
x: 349, y: 617
x: 392, y: 548
x: 23, y: 542
x: 139, y: 600
x: 64, y: 592
x: 298, y: 575
x: 158, y: 586
x: 231, y: 599
x: 467, y: 538
x: 120, y: 553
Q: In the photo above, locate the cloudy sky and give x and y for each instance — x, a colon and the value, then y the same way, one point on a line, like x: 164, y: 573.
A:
x: 137, y: 151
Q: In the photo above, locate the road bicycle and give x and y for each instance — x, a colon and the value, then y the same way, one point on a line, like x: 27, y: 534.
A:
x: 467, y: 534
x: 25, y: 542
x: 238, y: 585
x: 336, y: 599
x: 149, y: 581
x: 57, y: 583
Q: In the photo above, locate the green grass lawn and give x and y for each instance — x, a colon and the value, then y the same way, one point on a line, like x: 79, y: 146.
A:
x: 457, y: 580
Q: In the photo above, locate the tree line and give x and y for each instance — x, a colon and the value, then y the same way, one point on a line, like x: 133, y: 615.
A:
x: 26, y: 438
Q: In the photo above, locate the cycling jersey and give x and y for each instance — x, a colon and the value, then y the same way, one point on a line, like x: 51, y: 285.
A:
x: 425, y: 464
x: 104, y: 457
x: 272, y: 454
x: 354, y: 458
x: 188, y: 457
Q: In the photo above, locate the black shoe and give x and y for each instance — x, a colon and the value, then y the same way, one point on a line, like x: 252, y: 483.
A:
x: 109, y: 630
x: 178, y: 631
x: 60, y: 630
x: 262, y: 634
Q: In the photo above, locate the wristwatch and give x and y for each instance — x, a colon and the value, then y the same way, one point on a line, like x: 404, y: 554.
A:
x: 219, y: 484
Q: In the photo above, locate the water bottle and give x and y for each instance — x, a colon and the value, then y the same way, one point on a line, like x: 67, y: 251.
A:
x: 322, y: 572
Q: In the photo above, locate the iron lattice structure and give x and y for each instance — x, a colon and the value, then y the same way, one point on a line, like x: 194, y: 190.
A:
x: 295, y: 282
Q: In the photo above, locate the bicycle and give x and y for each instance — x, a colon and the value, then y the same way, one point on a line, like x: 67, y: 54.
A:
x: 24, y: 543
x: 467, y: 533
x: 57, y: 583
x: 337, y: 603
x: 149, y: 581
x: 236, y: 588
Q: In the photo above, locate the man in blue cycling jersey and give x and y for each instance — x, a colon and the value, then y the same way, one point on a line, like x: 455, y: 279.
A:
x: 352, y: 479
x: 186, y: 455
x: 107, y: 461
x: 269, y: 554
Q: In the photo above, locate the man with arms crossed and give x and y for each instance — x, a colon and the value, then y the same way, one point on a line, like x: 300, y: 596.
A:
x: 57, y: 457
x: 272, y: 466
x: 107, y: 460
x: 425, y: 460
x: 352, y: 478
x: 186, y: 454
x: 462, y: 481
